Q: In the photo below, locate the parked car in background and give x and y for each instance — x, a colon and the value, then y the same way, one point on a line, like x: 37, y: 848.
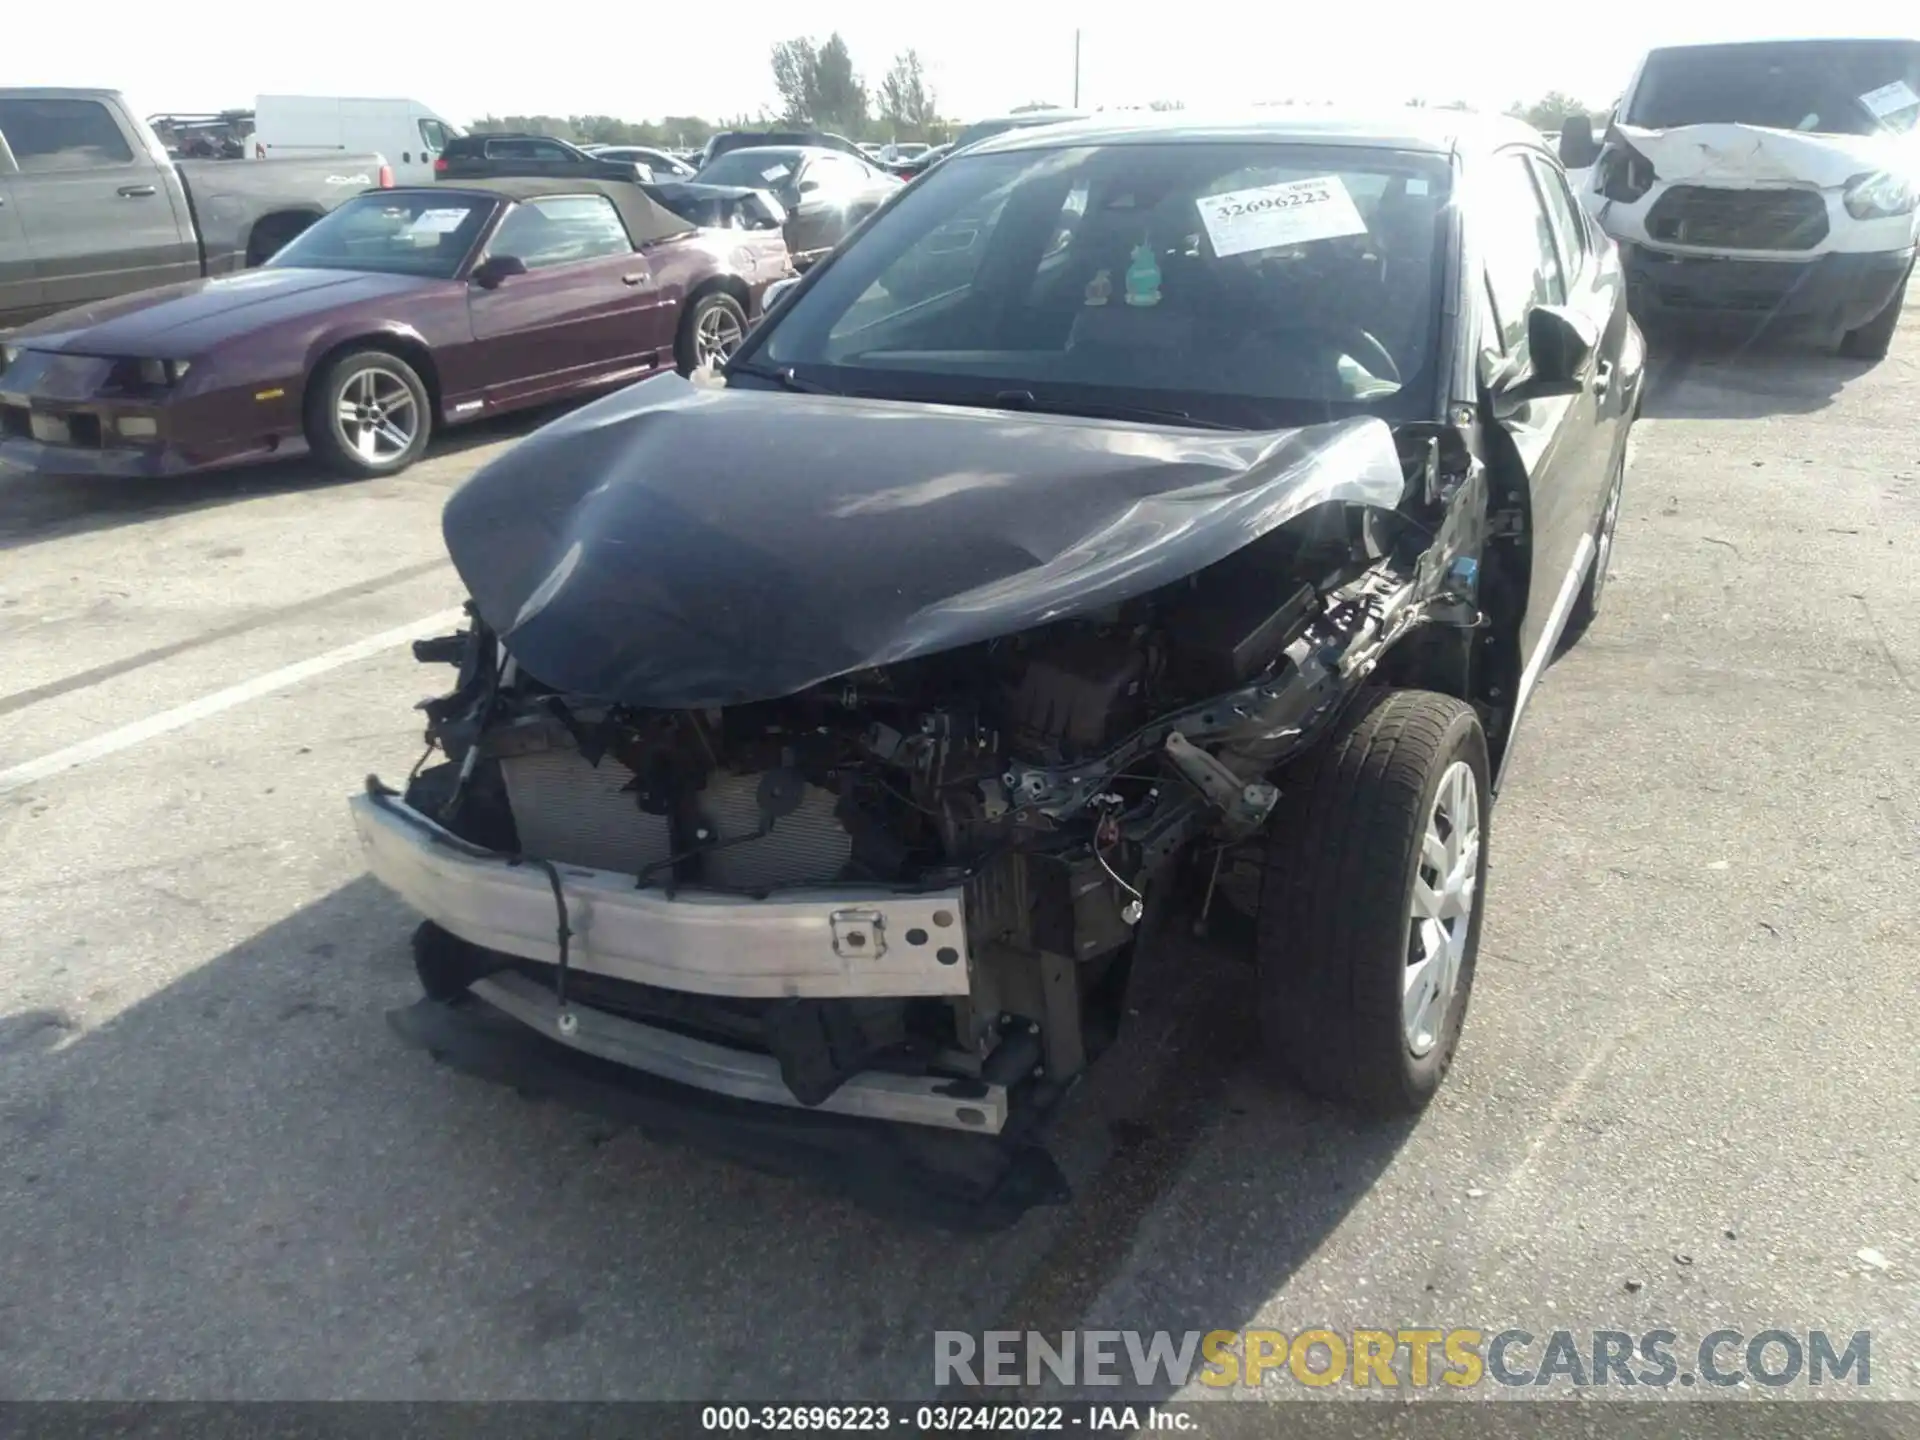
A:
x: 923, y: 162
x: 853, y: 740
x: 1765, y: 183
x: 407, y: 133
x: 824, y: 192
x: 1025, y: 120
x: 719, y: 207
x: 663, y: 165
x: 401, y: 313
x: 498, y: 156
x: 727, y: 141
x: 91, y: 206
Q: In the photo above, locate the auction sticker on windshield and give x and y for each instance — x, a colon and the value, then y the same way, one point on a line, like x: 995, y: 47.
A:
x: 438, y: 222
x: 1890, y: 99
x: 1267, y: 216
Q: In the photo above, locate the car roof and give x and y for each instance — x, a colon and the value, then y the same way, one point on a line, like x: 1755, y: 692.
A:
x: 801, y: 150
x: 1761, y: 42
x: 646, y: 219
x: 1408, y: 128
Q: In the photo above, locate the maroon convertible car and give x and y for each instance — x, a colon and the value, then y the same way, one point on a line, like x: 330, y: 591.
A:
x: 400, y: 312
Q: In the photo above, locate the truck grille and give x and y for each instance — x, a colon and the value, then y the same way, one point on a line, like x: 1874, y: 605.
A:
x: 1739, y: 219
x: 574, y: 813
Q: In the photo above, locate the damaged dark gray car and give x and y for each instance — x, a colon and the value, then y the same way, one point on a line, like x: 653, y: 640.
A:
x: 829, y: 744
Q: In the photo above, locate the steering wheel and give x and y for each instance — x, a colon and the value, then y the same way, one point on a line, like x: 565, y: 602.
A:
x: 1371, y: 353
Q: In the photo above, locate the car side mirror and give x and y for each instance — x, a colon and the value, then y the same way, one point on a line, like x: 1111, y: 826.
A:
x: 807, y: 187
x: 1559, y: 343
x: 495, y: 268
x: 776, y: 292
x: 1578, y: 148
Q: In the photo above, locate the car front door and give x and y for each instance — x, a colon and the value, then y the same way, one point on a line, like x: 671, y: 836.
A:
x: 97, y: 211
x: 825, y: 193
x: 587, y: 311
x: 1597, y: 289
x: 1560, y: 439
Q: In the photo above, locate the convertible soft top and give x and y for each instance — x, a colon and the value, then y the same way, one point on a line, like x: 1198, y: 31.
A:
x: 645, y: 218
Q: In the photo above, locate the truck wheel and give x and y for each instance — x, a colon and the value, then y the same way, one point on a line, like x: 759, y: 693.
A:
x: 1586, y: 605
x: 271, y: 234
x: 710, y: 333
x: 1370, y: 911
x: 368, y: 414
x: 1873, y: 339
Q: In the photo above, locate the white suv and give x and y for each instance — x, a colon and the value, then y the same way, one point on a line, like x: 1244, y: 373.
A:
x: 1770, y: 181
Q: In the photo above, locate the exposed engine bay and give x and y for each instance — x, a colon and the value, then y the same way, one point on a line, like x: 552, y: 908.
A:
x: 1053, y: 777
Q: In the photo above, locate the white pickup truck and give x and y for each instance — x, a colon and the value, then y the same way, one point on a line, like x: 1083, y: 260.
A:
x: 1767, y: 182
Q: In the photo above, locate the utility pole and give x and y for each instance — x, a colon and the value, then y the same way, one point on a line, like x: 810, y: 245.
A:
x: 1076, y: 69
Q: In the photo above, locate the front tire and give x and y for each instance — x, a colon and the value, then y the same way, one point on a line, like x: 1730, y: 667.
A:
x: 712, y: 330
x: 1371, y: 902
x: 1873, y: 339
x: 368, y: 414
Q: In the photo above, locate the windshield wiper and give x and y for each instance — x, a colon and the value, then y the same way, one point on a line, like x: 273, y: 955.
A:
x: 1092, y: 409
x: 784, y: 377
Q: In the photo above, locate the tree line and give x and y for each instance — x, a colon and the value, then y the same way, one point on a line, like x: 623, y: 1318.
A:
x: 817, y: 86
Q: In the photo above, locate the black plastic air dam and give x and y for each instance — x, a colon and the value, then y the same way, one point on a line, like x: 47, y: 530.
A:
x: 911, y: 1172
x: 677, y: 547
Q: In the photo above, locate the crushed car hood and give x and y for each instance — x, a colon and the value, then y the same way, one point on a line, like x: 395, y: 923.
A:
x: 1743, y: 156
x: 676, y: 546
x: 718, y: 205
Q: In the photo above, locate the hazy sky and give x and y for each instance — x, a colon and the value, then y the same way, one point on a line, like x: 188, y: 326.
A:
x: 640, y: 61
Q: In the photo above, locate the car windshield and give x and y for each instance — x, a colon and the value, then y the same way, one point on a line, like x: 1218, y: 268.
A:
x: 1247, y: 283
x: 1839, y: 87
x: 758, y: 168
x: 392, y: 232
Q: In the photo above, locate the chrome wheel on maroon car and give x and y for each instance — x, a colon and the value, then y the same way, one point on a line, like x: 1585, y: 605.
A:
x: 368, y: 413
x: 712, y: 330
x: 720, y: 335
x: 377, y: 415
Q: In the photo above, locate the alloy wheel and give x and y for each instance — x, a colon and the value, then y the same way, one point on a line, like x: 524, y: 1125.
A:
x: 377, y: 416
x: 1445, y: 891
x: 717, y: 335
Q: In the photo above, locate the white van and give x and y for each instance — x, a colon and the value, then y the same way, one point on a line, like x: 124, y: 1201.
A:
x: 406, y: 132
x: 1769, y: 181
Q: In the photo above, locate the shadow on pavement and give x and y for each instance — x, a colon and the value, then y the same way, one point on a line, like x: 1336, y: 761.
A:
x: 37, y: 507
x: 1707, y: 376
x: 244, y: 1186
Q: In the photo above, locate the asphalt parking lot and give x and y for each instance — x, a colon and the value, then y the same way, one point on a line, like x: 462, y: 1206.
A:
x: 1686, y: 1095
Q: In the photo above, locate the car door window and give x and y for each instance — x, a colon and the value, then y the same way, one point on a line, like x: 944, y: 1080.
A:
x: 433, y: 135
x: 528, y: 150
x: 1568, y: 219
x: 837, y: 174
x: 51, y: 135
x: 562, y: 230
x: 1522, y: 257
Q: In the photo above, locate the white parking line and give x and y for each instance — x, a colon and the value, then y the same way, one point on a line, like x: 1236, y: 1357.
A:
x: 181, y: 716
